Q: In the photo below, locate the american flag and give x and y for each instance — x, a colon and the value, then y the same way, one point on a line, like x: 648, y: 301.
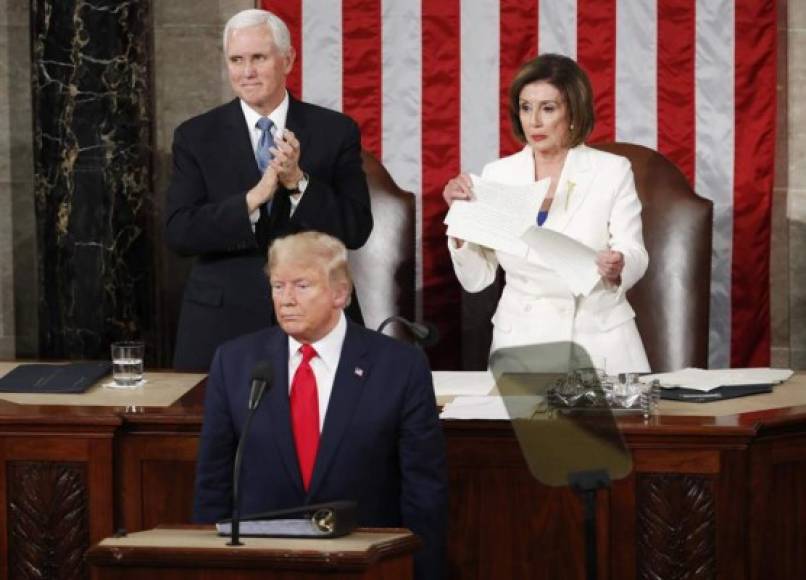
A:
x: 695, y: 79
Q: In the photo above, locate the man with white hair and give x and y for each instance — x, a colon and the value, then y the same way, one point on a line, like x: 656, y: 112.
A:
x: 350, y: 413
x: 259, y: 167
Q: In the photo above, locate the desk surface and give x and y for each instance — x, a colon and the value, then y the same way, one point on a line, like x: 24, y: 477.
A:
x: 786, y: 404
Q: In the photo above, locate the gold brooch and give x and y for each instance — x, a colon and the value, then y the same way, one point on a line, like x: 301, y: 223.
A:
x: 569, y: 191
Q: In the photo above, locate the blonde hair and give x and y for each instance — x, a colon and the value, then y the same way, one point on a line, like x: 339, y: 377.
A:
x: 313, y: 249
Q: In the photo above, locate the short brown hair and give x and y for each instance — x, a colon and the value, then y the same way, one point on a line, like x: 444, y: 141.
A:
x: 315, y: 249
x: 566, y: 76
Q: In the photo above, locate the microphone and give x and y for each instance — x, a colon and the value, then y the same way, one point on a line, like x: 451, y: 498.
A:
x: 425, y: 334
x: 261, y: 382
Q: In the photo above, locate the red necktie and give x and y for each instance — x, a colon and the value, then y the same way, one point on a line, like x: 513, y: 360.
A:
x: 305, y: 414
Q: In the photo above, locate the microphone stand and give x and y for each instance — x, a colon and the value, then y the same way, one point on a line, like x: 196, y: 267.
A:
x: 236, y: 495
x: 261, y: 380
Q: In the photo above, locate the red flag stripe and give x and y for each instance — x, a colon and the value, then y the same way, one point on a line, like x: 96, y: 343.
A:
x: 518, y: 38
x: 676, y: 83
x: 596, y: 53
x: 754, y: 154
x: 441, y: 161
x: 290, y: 11
x: 362, y: 78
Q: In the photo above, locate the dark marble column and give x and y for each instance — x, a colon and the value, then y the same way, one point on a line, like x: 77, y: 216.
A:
x: 93, y: 182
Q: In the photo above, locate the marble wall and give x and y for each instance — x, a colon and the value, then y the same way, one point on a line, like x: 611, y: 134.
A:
x: 92, y: 174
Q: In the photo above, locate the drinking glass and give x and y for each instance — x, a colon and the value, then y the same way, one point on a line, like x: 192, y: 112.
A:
x: 127, y: 363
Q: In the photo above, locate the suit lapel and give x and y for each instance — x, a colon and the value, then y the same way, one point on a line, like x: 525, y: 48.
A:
x: 348, y: 385
x: 573, y: 187
x: 296, y: 122
x: 279, y: 408
x: 238, y: 145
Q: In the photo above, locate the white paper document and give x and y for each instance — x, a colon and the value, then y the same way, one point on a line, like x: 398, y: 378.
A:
x: 573, y: 261
x: 498, y: 215
x: 458, y: 383
x: 709, y: 379
x: 492, y: 408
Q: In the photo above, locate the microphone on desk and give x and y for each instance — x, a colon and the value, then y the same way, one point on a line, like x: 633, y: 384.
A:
x: 261, y: 382
x: 425, y: 334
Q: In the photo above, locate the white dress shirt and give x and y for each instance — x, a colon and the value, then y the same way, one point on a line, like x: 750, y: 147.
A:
x: 278, y: 117
x: 324, y: 364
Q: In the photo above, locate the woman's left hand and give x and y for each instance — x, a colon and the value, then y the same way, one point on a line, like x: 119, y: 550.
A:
x: 610, y: 264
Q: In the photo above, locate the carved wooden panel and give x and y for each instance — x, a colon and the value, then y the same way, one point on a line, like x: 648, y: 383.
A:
x: 676, y: 524
x: 48, y: 525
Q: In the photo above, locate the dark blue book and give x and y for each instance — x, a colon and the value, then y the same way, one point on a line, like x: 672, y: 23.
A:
x: 718, y: 394
x: 74, y: 377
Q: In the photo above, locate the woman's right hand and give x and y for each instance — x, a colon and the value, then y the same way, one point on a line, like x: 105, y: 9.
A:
x: 460, y: 187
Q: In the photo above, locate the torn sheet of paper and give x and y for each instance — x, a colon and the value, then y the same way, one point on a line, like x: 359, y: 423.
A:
x: 573, y: 261
x: 498, y: 215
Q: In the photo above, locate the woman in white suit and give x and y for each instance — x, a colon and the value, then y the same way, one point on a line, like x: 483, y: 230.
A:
x: 591, y: 198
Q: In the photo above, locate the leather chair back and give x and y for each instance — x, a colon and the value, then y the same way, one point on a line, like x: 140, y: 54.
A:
x: 383, y: 269
x: 671, y: 301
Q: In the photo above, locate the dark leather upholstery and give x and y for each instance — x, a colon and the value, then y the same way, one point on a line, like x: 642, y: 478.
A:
x: 383, y: 269
x: 671, y: 301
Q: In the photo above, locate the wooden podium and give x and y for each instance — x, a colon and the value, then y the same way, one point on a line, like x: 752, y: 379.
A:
x: 197, y: 552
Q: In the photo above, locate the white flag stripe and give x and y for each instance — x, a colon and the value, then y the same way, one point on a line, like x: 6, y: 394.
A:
x: 401, y: 141
x: 637, y: 72
x: 480, y: 39
x: 714, y: 66
x: 322, y: 53
x: 557, y: 27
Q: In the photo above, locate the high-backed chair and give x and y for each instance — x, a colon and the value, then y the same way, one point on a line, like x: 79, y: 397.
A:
x: 383, y: 269
x: 671, y: 301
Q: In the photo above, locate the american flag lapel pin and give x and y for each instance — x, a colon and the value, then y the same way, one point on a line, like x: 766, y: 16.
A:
x: 359, y: 372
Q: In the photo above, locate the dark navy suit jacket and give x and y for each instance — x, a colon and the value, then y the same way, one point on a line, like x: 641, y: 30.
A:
x: 227, y: 294
x: 381, y: 443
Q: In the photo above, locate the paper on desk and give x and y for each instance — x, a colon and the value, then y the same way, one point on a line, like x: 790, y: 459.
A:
x: 491, y: 408
x: 709, y: 379
x: 573, y: 261
x: 498, y: 215
x: 456, y: 383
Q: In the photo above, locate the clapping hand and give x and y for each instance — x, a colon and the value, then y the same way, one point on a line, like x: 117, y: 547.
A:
x: 285, y: 162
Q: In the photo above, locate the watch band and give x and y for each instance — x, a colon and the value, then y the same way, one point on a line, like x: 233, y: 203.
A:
x: 301, y: 184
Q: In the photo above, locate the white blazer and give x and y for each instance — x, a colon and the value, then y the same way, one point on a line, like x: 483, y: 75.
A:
x: 595, y: 202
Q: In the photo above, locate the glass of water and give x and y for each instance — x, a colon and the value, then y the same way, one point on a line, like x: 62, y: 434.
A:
x: 127, y: 363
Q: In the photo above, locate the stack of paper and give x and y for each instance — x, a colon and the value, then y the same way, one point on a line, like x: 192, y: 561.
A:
x: 460, y: 383
x: 492, y: 408
x: 498, y: 215
x: 502, y: 217
x: 709, y: 379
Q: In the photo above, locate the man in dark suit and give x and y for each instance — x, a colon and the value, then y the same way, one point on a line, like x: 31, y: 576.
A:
x: 350, y: 413
x: 244, y: 173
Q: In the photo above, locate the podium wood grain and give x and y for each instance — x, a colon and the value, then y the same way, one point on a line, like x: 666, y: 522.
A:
x: 711, y: 496
x: 196, y: 552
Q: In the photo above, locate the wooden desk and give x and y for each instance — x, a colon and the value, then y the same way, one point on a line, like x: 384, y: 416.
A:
x: 715, y: 496
x: 197, y: 553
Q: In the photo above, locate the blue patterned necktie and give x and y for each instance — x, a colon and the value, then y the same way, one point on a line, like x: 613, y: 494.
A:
x: 266, y: 141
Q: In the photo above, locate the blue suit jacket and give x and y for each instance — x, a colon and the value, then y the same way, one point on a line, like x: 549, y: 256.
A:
x: 381, y: 443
